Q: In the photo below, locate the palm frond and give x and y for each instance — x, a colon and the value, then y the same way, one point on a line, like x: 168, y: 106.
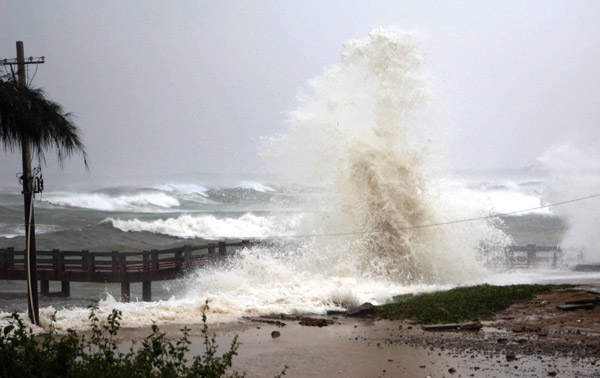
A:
x: 26, y: 114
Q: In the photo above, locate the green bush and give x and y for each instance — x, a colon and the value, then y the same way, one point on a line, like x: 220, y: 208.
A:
x: 23, y: 354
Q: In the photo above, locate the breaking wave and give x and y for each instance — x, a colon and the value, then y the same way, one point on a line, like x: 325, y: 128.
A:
x: 209, y: 226
x: 257, y: 186
x: 140, y: 202
x: 182, y: 188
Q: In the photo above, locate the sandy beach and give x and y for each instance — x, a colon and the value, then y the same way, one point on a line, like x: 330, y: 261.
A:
x: 528, y: 339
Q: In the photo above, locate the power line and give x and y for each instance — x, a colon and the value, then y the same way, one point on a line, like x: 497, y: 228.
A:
x: 35, y: 73
x: 500, y: 215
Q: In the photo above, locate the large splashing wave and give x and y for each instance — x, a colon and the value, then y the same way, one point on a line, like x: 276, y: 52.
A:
x: 363, y: 135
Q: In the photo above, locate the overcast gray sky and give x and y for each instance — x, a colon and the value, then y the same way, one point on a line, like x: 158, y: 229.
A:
x: 169, y: 87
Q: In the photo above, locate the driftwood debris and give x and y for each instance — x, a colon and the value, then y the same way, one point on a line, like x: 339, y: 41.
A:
x: 583, y: 301
x: 594, y: 290
x: 302, y: 320
x: 572, y: 307
x: 267, y: 321
x: 468, y: 326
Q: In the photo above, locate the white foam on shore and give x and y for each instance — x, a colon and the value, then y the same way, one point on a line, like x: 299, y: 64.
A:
x: 260, y: 283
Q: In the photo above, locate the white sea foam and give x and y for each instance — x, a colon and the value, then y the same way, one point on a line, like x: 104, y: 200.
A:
x: 499, y: 199
x: 182, y: 188
x: 12, y: 231
x: 208, y: 226
x: 257, y: 186
x: 140, y: 202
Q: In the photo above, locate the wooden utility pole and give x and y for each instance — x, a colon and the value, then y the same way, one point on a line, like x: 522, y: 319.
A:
x: 31, y: 262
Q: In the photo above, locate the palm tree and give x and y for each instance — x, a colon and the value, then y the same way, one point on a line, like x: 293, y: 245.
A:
x: 26, y: 115
x: 31, y: 122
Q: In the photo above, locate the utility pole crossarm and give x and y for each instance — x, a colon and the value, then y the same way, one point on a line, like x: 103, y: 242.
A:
x: 15, y: 61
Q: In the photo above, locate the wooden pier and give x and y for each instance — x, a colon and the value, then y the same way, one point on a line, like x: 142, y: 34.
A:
x: 113, y: 267
x: 160, y: 265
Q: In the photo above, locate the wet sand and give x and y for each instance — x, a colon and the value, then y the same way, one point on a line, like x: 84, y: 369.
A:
x: 529, y: 339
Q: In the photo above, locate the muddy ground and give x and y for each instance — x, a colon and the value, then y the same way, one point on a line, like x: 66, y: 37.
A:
x: 531, y: 339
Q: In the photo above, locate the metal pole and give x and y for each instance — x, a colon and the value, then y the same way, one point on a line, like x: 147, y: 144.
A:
x: 32, y: 293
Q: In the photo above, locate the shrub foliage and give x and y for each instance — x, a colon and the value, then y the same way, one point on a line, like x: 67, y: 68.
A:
x: 23, y: 354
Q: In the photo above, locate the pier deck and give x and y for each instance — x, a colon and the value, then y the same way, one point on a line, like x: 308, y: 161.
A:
x: 113, y: 267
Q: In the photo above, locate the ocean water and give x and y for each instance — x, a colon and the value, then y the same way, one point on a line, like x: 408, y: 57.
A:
x: 354, y: 210
x: 293, y: 275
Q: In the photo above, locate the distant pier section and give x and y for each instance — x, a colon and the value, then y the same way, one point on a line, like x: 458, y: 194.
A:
x: 523, y: 256
x: 114, y: 267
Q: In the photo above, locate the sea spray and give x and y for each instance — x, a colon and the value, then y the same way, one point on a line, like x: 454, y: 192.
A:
x: 360, y: 136
x: 574, y: 173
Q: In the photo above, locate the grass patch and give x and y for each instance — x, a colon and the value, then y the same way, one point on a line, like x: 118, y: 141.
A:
x: 460, y: 304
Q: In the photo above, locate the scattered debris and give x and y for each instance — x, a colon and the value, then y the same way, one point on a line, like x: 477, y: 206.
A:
x: 275, y: 334
x: 303, y: 320
x: 272, y: 322
x: 526, y: 328
x: 312, y: 322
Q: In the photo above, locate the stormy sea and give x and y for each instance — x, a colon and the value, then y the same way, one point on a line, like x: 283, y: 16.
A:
x: 358, y: 207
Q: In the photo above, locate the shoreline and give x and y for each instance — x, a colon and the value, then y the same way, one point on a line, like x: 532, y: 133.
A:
x: 530, y: 338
